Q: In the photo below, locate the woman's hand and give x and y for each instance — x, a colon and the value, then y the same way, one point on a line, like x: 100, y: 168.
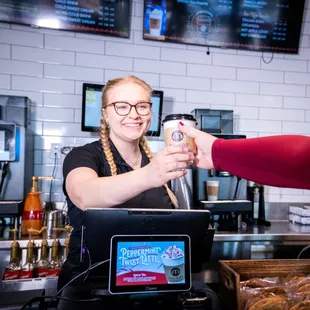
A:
x: 168, y: 164
x: 204, y: 142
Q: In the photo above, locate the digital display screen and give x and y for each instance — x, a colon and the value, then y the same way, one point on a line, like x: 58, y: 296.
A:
x: 101, y: 16
x: 244, y: 24
x: 150, y: 262
x: 91, y: 114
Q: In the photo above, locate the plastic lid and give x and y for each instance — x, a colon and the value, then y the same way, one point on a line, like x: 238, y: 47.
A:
x: 173, y: 117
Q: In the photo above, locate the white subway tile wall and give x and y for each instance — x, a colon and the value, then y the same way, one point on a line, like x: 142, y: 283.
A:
x: 50, y: 67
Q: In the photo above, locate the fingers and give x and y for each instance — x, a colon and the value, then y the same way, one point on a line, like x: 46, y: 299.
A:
x: 189, y: 131
x: 175, y: 166
x: 181, y: 157
x: 171, y: 149
x: 176, y: 174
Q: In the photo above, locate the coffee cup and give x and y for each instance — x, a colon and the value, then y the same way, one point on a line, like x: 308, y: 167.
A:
x: 174, y: 269
x: 156, y: 17
x: 212, y: 188
x: 172, y: 134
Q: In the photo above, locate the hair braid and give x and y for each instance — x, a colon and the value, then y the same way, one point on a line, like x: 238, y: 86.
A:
x: 147, y: 150
x: 104, y: 139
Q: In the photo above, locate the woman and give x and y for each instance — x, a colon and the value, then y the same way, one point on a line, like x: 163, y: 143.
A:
x: 118, y: 170
x: 282, y: 161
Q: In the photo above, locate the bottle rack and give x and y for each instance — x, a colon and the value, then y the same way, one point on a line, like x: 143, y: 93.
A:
x: 47, y: 284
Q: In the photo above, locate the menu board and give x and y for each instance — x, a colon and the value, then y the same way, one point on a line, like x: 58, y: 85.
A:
x: 98, y: 16
x: 249, y: 24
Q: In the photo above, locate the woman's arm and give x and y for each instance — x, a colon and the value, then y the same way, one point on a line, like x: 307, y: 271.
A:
x: 282, y: 161
x: 87, y: 190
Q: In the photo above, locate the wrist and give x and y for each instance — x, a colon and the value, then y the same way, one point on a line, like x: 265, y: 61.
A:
x: 143, y: 177
x: 214, y: 151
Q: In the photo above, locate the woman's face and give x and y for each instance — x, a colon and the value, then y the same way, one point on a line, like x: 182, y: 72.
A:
x: 133, y: 126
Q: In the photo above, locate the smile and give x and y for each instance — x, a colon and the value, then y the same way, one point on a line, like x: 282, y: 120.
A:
x: 132, y: 125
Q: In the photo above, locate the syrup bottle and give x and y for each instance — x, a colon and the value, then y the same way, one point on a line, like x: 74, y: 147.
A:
x: 43, y: 263
x: 32, y: 216
x: 12, y: 271
x: 29, y: 268
x: 55, y: 264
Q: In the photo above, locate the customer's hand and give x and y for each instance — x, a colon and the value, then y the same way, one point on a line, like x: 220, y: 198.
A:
x: 204, y: 142
x: 168, y: 164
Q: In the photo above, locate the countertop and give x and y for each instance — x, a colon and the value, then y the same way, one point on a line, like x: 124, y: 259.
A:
x: 278, y: 231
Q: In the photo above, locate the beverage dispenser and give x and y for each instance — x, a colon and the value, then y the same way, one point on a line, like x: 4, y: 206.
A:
x: 16, y: 155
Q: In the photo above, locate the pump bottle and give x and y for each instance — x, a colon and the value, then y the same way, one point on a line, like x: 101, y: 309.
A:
x: 32, y: 217
x: 29, y: 268
x: 55, y: 264
x: 43, y: 263
x: 12, y: 271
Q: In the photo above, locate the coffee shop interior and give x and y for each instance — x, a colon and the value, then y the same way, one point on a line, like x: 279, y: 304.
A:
x: 234, y: 69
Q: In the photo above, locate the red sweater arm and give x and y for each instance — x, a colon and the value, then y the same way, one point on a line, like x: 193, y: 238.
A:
x: 282, y: 161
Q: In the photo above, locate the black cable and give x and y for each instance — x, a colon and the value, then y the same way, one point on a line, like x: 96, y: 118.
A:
x: 76, y: 277
x: 303, y: 250
x: 29, y: 302
x: 89, y: 265
x: 5, y: 170
x: 267, y: 62
x: 216, y: 294
x: 54, y: 176
x: 79, y: 300
x: 237, y: 187
x: 71, y: 281
x: 38, y: 298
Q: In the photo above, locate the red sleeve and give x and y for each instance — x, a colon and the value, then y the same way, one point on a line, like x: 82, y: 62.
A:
x: 282, y: 161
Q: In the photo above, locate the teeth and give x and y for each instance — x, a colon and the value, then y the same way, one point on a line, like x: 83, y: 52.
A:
x: 132, y: 125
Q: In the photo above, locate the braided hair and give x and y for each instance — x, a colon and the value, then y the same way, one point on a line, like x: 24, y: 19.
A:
x: 104, y: 131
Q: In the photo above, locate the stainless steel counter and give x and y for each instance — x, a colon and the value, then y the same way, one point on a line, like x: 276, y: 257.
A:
x: 278, y: 231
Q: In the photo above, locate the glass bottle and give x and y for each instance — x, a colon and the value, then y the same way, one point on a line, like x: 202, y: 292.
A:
x: 43, y: 263
x: 29, y: 268
x: 12, y: 270
x: 55, y: 264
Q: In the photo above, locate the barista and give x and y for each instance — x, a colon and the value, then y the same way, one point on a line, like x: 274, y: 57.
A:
x: 117, y: 171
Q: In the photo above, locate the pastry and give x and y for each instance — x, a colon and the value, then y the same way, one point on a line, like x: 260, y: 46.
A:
x: 273, y: 290
x: 303, y: 305
x: 270, y: 303
x: 304, y: 288
x: 296, y: 279
x: 254, y: 283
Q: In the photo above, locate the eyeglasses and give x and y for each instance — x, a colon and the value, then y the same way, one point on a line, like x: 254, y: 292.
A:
x: 124, y: 108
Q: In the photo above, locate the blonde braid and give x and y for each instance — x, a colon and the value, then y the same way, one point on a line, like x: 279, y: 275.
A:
x: 146, y: 148
x: 104, y: 139
x: 104, y: 132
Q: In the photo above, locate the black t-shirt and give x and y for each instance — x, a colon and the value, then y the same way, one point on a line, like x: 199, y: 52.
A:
x: 92, y: 156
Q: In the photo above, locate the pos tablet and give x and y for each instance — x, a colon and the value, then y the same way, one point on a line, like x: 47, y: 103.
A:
x: 149, y: 263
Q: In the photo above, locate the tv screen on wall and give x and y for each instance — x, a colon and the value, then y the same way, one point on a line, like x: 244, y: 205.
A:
x: 110, y: 17
x: 261, y: 25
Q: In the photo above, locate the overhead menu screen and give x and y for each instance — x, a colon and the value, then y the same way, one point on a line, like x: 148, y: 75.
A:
x: 96, y: 16
x: 273, y: 25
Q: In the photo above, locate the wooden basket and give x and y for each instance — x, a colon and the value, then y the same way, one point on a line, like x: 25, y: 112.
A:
x: 234, y: 271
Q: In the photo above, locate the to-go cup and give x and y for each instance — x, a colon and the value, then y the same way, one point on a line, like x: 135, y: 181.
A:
x: 212, y: 188
x: 172, y: 134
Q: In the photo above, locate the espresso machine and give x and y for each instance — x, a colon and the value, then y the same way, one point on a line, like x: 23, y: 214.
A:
x: 16, y: 157
x: 233, y: 210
